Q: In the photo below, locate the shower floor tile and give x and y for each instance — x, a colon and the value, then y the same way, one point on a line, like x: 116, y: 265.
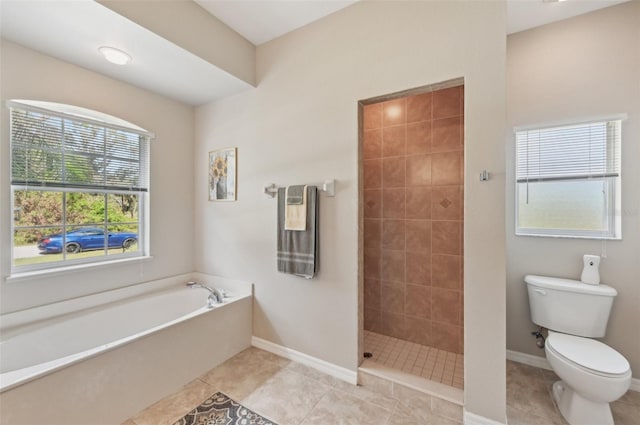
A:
x: 419, y: 360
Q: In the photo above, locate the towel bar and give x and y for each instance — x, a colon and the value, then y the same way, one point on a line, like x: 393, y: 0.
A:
x: 328, y: 187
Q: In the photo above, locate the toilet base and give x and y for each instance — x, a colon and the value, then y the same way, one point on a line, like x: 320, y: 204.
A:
x: 578, y: 410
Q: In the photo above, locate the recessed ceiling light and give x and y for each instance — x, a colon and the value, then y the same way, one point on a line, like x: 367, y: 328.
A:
x: 114, y: 55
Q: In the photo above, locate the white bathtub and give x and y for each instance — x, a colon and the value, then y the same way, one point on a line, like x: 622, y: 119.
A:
x: 112, y: 354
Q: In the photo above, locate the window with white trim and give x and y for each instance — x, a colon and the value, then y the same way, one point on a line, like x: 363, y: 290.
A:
x: 568, y: 180
x: 79, y: 186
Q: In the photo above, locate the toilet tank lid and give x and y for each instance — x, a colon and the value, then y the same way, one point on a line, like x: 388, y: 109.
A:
x: 570, y: 285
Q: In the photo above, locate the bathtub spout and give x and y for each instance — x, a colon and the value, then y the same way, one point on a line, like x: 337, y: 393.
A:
x: 215, y: 296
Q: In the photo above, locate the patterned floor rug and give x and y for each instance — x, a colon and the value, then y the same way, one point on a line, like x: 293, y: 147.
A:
x: 221, y: 410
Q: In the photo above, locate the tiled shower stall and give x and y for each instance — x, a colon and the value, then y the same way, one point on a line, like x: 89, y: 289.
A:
x: 413, y: 167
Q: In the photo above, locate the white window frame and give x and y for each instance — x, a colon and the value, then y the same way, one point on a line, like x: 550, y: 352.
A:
x: 99, y: 119
x: 611, y: 188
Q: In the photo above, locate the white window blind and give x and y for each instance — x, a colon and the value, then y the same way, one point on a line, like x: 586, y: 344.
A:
x: 570, y: 152
x: 51, y: 149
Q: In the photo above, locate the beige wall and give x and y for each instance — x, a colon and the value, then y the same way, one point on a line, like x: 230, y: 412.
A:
x: 26, y: 74
x: 301, y: 126
x: 588, y: 66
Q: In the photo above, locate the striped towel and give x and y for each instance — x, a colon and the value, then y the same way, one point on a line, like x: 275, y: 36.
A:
x: 298, y: 250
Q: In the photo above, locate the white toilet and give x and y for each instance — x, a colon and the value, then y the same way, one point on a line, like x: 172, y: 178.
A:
x: 592, y: 373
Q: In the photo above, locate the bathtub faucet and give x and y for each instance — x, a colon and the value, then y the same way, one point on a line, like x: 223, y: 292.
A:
x: 215, y: 296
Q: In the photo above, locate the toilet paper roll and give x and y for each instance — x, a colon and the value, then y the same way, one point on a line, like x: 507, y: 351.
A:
x: 591, y: 270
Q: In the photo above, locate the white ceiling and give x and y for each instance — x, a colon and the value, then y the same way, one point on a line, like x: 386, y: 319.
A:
x: 73, y: 31
x: 260, y: 21
x: 526, y: 14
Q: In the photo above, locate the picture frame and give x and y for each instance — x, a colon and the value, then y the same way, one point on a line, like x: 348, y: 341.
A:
x: 223, y: 174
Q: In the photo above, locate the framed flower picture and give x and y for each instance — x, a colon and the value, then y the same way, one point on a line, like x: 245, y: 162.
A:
x: 222, y: 174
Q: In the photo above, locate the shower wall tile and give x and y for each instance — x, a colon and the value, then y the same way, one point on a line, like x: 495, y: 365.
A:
x: 372, y: 319
x: 447, y: 270
x: 419, y: 107
x: 372, y: 294
x: 393, y: 234
x: 372, y: 203
x: 394, y: 112
x: 393, y: 266
x: 446, y: 237
x: 393, y: 203
x: 372, y: 265
x: 418, y: 301
x: 445, y: 337
x: 418, y: 330
x: 447, y: 135
x: 372, y: 173
x: 446, y: 202
x: 418, y: 268
x: 393, y: 294
x: 419, y: 170
x: 413, y: 159
x: 372, y: 235
x: 372, y: 117
x: 418, y: 235
x: 393, y: 324
x: 394, y: 141
x: 445, y: 306
x: 372, y: 144
x: 418, y: 202
x: 419, y: 138
x: 447, y: 168
x: 393, y: 172
x: 446, y: 103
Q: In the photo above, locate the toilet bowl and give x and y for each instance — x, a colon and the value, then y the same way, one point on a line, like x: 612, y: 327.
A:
x: 592, y: 375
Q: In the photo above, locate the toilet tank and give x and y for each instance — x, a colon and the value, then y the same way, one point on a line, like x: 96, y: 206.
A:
x: 570, y: 306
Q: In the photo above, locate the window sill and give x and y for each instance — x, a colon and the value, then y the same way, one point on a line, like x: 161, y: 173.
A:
x: 16, y: 277
x: 565, y: 236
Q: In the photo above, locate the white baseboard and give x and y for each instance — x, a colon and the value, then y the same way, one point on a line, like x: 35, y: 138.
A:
x: 529, y: 359
x: 542, y: 362
x: 350, y: 376
x: 469, y: 418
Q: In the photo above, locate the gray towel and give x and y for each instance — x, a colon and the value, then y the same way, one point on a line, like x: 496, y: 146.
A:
x: 294, y: 196
x: 298, y: 250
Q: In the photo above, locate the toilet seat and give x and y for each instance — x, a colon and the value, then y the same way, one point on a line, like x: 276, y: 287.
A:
x: 588, y: 354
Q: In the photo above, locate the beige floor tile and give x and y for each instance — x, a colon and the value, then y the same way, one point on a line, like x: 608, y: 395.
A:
x: 444, y: 408
x: 175, y: 406
x: 339, y: 408
x: 286, y: 397
x: 401, y: 416
x: 519, y: 417
x: 625, y: 413
x: 365, y: 394
x: 532, y: 397
x: 313, y: 374
x: 241, y: 376
x: 631, y: 397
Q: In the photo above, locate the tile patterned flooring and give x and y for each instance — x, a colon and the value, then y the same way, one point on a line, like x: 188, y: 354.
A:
x: 420, y: 360
x: 289, y: 393
x: 292, y: 394
x: 529, y: 400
